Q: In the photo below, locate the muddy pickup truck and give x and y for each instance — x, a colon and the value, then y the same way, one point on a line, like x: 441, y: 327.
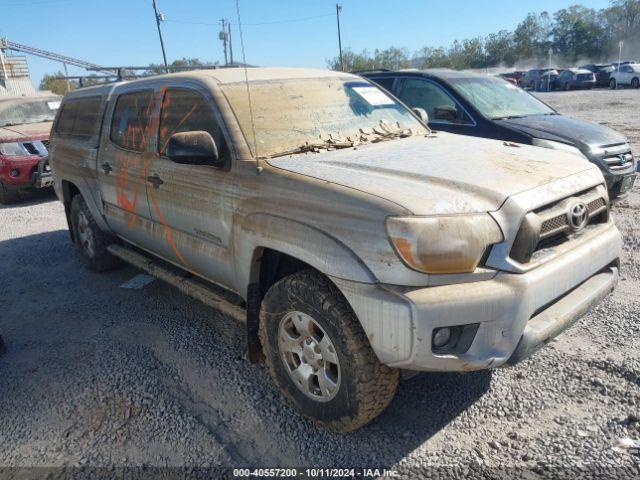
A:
x: 25, y: 123
x: 353, y: 241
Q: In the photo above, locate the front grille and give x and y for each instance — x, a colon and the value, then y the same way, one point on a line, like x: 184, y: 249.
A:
x: 555, y: 223
x: 550, y: 226
x: 31, y: 148
x: 619, y: 162
x: 585, y: 76
x: 560, y: 222
x: 46, y: 144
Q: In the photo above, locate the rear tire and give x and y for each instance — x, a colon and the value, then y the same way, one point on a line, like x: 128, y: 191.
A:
x: 9, y: 194
x: 613, y: 84
x: 90, y: 240
x: 635, y: 83
x: 340, y: 383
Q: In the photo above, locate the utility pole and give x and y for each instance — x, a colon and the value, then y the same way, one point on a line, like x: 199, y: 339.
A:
x: 230, y: 43
x: 620, y: 45
x: 338, y: 10
x: 160, y: 18
x: 223, y: 36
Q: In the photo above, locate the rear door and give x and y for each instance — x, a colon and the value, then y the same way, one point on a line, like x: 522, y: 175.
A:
x: 124, y: 160
x: 192, y: 204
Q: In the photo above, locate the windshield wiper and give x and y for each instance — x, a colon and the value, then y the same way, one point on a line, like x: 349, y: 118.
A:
x: 509, y: 117
x: 316, y: 147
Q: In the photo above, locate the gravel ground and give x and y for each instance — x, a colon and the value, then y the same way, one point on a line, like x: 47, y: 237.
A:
x: 99, y: 375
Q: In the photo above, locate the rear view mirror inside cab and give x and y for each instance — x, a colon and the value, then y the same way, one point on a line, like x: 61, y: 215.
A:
x: 193, y: 148
x: 446, y: 112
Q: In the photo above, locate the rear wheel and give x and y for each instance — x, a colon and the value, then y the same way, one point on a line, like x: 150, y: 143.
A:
x: 635, y: 83
x: 319, y: 356
x: 9, y: 194
x: 612, y: 84
x: 91, y: 242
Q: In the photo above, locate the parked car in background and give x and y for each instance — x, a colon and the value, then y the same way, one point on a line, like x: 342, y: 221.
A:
x: 601, y: 71
x: 616, y: 65
x: 513, y: 77
x: 548, y: 81
x: 574, y: 79
x: 531, y: 79
x: 625, y: 75
x: 25, y: 123
x: 360, y: 243
x: 486, y: 106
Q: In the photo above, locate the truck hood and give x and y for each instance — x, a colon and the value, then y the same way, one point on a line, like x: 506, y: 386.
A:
x: 24, y: 132
x: 439, y: 175
x: 580, y: 133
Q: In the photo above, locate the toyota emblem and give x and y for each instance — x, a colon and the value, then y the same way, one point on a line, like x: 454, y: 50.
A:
x: 578, y: 216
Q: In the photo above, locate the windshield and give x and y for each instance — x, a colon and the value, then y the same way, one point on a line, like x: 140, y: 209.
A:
x: 496, y: 98
x: 24, y: 110
x: 291, y: 113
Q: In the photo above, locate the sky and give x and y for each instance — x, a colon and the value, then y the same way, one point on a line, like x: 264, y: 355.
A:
x: 276, y: 32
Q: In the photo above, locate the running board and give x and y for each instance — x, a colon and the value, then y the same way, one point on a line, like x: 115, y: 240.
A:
x: 186, y: 285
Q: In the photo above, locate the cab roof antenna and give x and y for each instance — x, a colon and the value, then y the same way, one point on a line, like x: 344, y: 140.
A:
x: 246, y: 79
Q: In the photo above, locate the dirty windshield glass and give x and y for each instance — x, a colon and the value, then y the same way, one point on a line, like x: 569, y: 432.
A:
x: 287, y: 114
x: 21, y: 111
x: 496, y: 98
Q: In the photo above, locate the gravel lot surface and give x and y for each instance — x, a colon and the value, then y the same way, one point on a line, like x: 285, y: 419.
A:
x: 100, y: 375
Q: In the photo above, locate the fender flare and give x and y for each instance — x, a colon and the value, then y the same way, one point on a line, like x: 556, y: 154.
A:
x: 87, y: 194
x: 304, y: 242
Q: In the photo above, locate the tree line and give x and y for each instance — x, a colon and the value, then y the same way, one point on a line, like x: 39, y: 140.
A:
x: 576, y: 34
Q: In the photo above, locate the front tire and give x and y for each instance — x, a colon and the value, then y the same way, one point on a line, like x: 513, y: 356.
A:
x: 319, y: 356
x: 635, y: 83
x: 91, y: 242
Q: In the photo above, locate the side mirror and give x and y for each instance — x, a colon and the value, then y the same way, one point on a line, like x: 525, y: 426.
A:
x: 446, y: 112
x: 193, y: 148
x: 422, y: 114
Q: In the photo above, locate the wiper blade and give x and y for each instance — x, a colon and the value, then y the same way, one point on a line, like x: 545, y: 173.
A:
x: 315, y: 147
x: 509, y: 117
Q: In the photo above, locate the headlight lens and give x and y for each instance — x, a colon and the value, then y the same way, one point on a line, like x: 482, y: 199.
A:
x: 12, y: 149
x: 443, y: 244
x: 539, y: 142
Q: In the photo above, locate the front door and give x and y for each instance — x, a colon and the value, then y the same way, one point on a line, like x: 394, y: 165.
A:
x: 124, y: 160
x: 444, y: 112
x: 191, y: 204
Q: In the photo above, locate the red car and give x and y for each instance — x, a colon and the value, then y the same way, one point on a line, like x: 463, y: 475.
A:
x: 25, y: 123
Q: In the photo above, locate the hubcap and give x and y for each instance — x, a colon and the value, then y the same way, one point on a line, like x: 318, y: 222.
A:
x: 309, y: 356
x: 85, y: 235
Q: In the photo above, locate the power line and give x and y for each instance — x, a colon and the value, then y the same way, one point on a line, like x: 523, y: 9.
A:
x: 275, y: 22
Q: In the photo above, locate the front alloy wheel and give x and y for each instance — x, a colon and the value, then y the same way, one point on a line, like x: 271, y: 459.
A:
x: 319, y: 356
x: 309, y: 356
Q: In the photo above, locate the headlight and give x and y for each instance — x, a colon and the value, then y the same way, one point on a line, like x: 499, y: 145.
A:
x: 443, y: 244
x: 12, y: 149
x: 539, y: 142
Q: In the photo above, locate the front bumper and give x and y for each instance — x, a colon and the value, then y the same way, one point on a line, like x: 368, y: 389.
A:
x: 516, y: 313
x: 42, y: 177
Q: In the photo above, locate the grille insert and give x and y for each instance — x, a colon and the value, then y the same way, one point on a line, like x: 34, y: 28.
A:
x: 549, y: 225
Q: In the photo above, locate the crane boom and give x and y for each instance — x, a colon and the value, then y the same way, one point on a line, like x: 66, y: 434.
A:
x: 9, y: 45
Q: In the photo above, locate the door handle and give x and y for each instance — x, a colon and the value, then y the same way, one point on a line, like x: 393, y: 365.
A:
x: 155, y: 180
x: 106, y: 167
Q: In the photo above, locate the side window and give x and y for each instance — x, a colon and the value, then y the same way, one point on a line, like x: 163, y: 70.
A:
x: 131, y: 123
x: 79, y: 118
x: 437, y: 103
x: 386, y: 83
x: 187, y: 111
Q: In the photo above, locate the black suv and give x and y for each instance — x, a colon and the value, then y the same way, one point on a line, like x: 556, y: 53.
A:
x: 601, y: 72
x: 487, y: 106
